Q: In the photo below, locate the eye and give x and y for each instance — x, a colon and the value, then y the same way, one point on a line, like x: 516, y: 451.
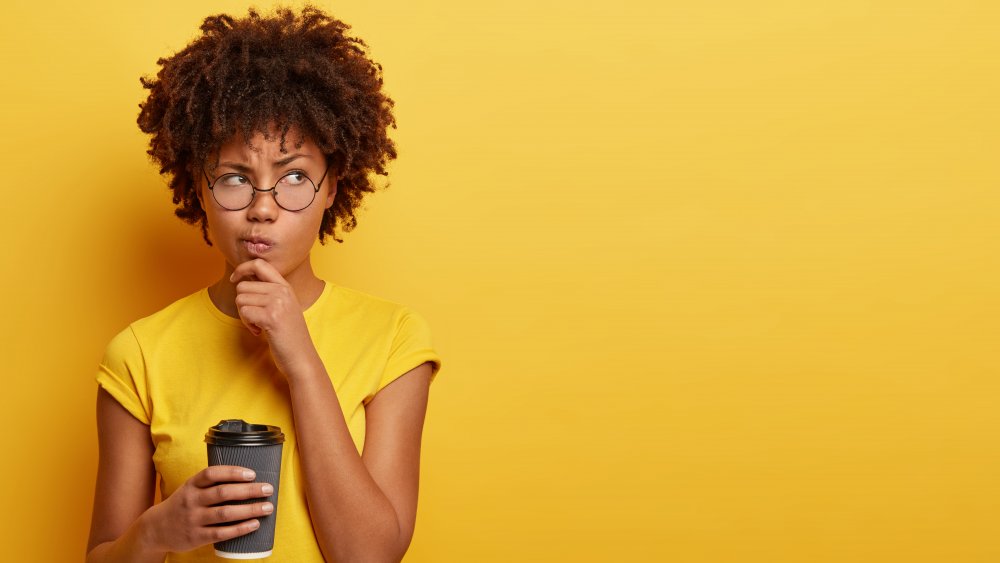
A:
x: 294, y: 179
x: 233, y: 180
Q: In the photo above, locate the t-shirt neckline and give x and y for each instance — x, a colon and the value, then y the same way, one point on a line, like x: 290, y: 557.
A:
x: 308, y: 313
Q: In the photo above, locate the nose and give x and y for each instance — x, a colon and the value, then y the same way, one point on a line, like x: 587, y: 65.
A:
x: 263, y: 208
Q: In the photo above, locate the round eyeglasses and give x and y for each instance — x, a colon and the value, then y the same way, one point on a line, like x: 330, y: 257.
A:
x: 293, y: 191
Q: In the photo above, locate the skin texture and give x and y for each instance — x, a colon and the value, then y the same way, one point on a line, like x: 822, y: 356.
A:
x: 293, y: 233
x: 363, y: 507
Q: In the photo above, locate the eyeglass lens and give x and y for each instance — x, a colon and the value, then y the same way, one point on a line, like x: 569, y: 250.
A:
x: 293, y: 192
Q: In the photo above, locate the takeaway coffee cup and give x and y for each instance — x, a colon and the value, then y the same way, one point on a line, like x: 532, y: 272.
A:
x: 257, y: 447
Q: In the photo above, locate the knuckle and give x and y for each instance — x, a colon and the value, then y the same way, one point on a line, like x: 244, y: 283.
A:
x: 222, y: 514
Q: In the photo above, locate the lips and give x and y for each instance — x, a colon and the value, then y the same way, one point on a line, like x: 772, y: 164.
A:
x: 258, y: 246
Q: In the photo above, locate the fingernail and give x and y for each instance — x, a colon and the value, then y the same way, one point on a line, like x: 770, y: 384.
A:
x: 267, y: 489
x: 268, y: 507
x: 254, y: 525
x: 249, y: 474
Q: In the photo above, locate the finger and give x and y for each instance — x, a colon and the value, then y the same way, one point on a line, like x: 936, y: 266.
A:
x: 220, y: 533
x: 260, y: 268
x: 253, y: 317
x: 233, y: 492
x: 253, y: 299
x: 252, y: 311
x: 215, y: 474
x: 235, y: 512
x: 247, y: 286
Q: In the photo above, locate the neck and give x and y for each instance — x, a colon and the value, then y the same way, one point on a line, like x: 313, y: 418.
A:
x: 305, y: 284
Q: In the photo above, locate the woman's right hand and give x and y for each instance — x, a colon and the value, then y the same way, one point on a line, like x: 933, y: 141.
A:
x: 183, y: 521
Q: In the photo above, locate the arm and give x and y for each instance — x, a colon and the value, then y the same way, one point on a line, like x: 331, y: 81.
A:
x: 125, y: 486
x: 127, y: 527
x: 363, y: 506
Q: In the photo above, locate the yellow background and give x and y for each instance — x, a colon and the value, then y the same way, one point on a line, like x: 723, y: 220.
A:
x: 712, y: 281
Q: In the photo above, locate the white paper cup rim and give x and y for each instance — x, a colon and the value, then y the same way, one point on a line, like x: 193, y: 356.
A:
x: 231, y: 555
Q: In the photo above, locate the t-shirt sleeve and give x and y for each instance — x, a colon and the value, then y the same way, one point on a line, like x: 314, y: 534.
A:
x: 411, y: 346
x: 122, y: 373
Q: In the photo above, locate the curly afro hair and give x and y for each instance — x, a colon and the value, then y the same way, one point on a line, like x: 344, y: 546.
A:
x: 283, y: 71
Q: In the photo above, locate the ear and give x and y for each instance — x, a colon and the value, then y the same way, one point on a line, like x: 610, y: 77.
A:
x: 333, y: 192
x: 199, y: 186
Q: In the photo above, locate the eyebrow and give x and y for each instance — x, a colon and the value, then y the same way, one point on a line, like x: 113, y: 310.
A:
x: 277, y: 163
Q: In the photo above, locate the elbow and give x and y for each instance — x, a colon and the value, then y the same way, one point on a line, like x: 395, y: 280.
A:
x: 96, y: 554
x: 401, y: 537
x: 399, y: 549
x: 388, y: 545
x: 368, y: 553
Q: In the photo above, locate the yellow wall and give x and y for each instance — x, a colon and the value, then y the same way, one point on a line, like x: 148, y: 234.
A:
x: 712, y: 281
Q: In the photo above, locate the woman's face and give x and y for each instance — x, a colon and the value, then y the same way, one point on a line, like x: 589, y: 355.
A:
x: 264, y: 229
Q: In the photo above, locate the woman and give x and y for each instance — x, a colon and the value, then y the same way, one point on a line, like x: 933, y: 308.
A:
x: 269, y: 129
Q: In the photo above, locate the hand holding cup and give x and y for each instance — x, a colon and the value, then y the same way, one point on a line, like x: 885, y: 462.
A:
x: 192, y: 517
x: 258, y: 446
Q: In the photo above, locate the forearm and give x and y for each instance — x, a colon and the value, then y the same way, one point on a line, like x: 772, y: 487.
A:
x: 352, y: 517
x: 131, y: 547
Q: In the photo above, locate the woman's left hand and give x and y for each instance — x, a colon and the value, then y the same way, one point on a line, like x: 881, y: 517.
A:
x: 268, y: 306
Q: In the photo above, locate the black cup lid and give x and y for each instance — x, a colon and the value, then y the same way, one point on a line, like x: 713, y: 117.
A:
x: 236, y: 432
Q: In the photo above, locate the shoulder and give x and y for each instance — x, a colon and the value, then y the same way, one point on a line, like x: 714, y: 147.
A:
x: 370, y: 310
x: 125, y: 366
x: 188, y: 306
x: 401, y: 328
x: 129, y: 340
x: 356, y: 299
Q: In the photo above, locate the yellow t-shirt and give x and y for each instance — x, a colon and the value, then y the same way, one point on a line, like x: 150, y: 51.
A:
x: 188, y: 366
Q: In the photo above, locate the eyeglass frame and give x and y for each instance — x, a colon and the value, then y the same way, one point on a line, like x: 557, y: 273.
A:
x: 274, y: 188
